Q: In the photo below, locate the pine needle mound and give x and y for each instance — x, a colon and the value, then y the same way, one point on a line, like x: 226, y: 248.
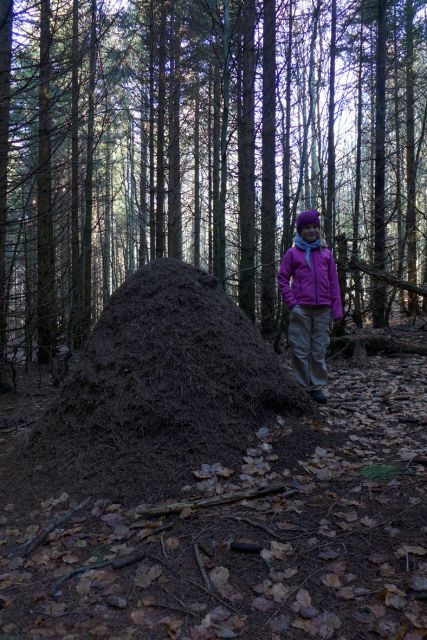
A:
x: 173, y: 375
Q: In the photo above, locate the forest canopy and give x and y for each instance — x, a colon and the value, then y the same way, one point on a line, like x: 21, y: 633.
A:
x: 198, y: 129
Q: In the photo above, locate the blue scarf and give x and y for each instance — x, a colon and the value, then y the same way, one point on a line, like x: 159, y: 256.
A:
x: 306, y: 246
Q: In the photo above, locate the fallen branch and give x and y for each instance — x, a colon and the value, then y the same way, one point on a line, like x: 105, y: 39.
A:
x: 386, y: 277
x: 201, y: 566
x: 117, y: 563
x: 29, y: 547
x: 198, y: 503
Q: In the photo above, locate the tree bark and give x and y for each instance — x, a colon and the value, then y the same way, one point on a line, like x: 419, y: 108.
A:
x: 6, y: 19
x: 411, y: 209
x: 76, y: 271
x: 90, y: 146
x: 45, y: 244
x: 197, y: 212
x: 161, y: 109
x: 223, y: 141
x: 246, y: 181
x: 379, y: 294
x: 152, y: 211
x: 175, y: 217
x: 330, y: 190
x: 268, y: 205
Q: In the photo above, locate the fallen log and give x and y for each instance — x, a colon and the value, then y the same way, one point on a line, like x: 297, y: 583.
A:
x: 352, y: 345
x: 247, y: 494
x: 386, y: 277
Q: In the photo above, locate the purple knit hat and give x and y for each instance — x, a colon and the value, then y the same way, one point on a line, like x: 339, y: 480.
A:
x: 308, y: 217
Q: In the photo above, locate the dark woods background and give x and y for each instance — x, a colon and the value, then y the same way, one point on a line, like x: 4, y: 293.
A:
x: 198, y: 129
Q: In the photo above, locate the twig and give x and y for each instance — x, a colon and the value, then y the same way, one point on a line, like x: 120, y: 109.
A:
x: 117, y: 563
x: 293, y: 592
x: 258, y: 525
x: 215, y: 596
x: 202, y: 569
x: 29, y: 547
x: 249, y: 494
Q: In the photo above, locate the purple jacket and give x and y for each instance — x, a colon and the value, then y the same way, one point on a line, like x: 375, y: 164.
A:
x: 313, y: 286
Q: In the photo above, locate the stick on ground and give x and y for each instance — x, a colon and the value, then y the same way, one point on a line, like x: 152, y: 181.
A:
x: 29, y: 547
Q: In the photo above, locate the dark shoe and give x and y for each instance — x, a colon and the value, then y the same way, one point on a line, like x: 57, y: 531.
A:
x: 318, y: 396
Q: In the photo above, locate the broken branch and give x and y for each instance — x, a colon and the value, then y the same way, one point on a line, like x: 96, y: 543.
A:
x: 248, y: 494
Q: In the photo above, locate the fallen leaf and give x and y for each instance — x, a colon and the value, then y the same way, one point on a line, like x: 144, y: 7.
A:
x: 262, y: 604
x: 219, y: 576
x: 279, y: 592
x: 418, y: 583
x: 147, y: 574
x: 280, y: 549
x: 410, y: 549
x: 138, y: 616
x: 332, y: 580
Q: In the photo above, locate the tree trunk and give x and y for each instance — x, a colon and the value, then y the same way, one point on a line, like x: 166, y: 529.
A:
x: 287, y: 220
x: 330, y: 191
x: 6, y: 17
x: 197, y: 213
x: 357, y: 312
x: 216, y: 166
x: 76, y: 271
x: 246, y: 131
x: 152, y: 212
x: 379, y: 294
x: 410, y: 158
x: 143, y: 254
x: 223, y: 142
x: 87, y: 235
x: 268, y: 205
x: 45, y: 244
x: 175, y: 218
x: 161, y: 109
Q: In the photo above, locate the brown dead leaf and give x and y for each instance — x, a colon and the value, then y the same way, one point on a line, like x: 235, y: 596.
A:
x: 279, y: 592
x: 418, y: 583
x: 280, y: 549
x: 332, y: 580
x: 262, y: 604
x: 408, y: 549
x: 147, y: 574
x: 138, y: 616
x: 219, y: 576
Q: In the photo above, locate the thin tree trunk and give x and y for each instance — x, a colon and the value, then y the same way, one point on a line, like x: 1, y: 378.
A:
x: 143, y: 254
x: 45, y: 245
x: 197, y: 213
x: 357, y: 313
x: 287, y: 221
x: 223, y: 142
x: 76, y: 283
x: 246, y: 133
x: 161, y: 109
x: 411, y: 219
x: 152, y: 212
x: 379, y: 297
x: 175, y: 217
x: 330, y: 191
x: 87, y: 236
x: 216, y: 166
x: 268, y: 204
x: 210, y: 175
x: 6, y: 18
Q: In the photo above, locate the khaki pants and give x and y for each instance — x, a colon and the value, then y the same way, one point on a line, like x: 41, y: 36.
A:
x: 308, y: 337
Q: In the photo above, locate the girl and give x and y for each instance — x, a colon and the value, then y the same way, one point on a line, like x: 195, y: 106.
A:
x: 312, y: 300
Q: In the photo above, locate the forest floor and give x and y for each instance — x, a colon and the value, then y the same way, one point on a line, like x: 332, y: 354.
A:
x: 342, y: 553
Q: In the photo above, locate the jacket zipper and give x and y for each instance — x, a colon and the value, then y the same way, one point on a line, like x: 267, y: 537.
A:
x: 315, y: 277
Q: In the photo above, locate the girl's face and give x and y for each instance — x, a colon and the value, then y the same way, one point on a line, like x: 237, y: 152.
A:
x: 310, y: 232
